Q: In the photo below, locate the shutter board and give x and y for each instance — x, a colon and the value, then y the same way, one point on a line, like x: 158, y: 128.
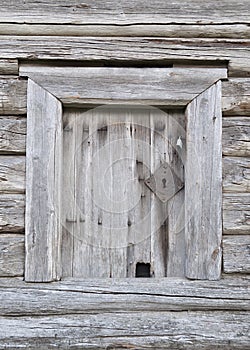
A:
x: 142, y: 138
x: 203, y: 185
x: 43, y: 189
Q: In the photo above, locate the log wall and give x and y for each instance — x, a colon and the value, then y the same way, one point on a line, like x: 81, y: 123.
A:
x: 129, y: 34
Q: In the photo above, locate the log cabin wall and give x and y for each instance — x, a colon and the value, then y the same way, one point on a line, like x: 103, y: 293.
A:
x: 126, y: 34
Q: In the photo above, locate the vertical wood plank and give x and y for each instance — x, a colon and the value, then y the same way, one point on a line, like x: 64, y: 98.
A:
x: 176, y: 254
x: 43, y: 169
x: 203, y: 185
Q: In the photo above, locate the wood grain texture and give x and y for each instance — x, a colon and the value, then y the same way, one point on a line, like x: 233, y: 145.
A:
x: 8, y: 67
x: 236, y: 174
x: 236, y: 136
x: 236, y: 97
x: 12, y: 174
x: 12, y: 135
x: 134, y: 330
x: 11, y: 255
x: 13, y: 96
x: 112, y: 219
x: 127, y: 50
x: 78, y: 296
x: 43, y: 185
x: 203, y: 182
x: 12, y: 213
x: 167, y: 86
x: 182, y: 30
x: 236, y: 213
x: 235, y: 94
x: 236, y: 254
x: 125, y: 12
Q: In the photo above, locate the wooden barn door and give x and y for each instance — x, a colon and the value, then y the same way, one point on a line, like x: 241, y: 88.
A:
x: 123, y: 195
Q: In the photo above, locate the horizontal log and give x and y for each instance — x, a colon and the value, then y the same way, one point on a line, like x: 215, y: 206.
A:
x: 135, y: 330
x: 8, y: 67
x: 126, y: 12
x: 121, y: 295
x: 13, y: 96
x: 12, y: 213
x: 236, y: 213
x: 127, y: 50
x: 182, y: 30
x: 236, y: 174
x: 161, y: 86
x: 11, y: 255
x: 12, y: 134
x: 236, y: 97
x: 236, y: 136
x: 12, y: 174
x: 236, y: 254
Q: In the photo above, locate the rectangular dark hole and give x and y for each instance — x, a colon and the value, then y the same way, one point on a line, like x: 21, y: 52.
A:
x: 142, y: 270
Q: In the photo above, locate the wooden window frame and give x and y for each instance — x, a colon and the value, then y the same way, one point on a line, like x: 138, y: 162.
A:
x: 195, y: 89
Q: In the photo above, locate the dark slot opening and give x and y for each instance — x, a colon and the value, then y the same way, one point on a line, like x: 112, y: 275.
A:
x: 142, y: 270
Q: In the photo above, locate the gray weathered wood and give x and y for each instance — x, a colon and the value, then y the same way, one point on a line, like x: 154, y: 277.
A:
x: 43, y: 185
x: 134, y: 330
x: 236, y: 95
x: 79, y: 296
x: 167, y: 86
x: 236, y: 174
x: 12, y: 213
x: 12, y: 96
x: 8, y: 67
x: 12, y: 135
x: 203, y: 182
x: 236, y: 136
x: 236, y: 254
x: 11, y: 255
x: 129, y: 50
x: 126, y: 12
x: 236, y: 213
x: 182, y: 30
x: 12, y: 174
x: 113, y: 220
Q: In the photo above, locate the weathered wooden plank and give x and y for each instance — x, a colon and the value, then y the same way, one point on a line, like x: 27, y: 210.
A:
x: 132, y: 85
x: 236, y: 213
x: 128, y: 49
x: 135, y: 330
x: 236, y: 97
x: 120, y: 295
x: 175, y: 287
x: 182, y: 30
x: 8, y: 67
x: 11, y: 255
x: 126, y: 12
x: 236, y: 136
x: 236, y: 254
x: 43, y: 185
x: 235, y: 92
x: 12, y: 96
x: 236, y: 174
x: 12, y: 174
x: 202, y: 186
x: 12, y: 135
x: 12, y: 213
